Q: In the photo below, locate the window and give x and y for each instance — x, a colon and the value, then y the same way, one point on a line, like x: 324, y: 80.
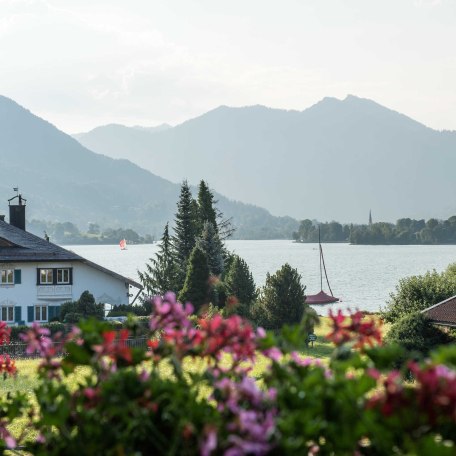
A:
x: 63, y: 276
x: 7, y: 277
x: 7, y: 313
x: 46, y: 276
x: 41, y: 313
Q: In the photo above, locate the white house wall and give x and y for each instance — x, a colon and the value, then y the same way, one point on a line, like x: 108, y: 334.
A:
x: 104, y: 287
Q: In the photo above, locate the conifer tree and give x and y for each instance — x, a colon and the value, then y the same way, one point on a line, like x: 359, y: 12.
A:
x: 206, y: 210
x: 239, y: 281
x: 184, y: 231
x: 196, y: 287
x: 282, y: 299
x: 209, y: 242
x: 161, y: 273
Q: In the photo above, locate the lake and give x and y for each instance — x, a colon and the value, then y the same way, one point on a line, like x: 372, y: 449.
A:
x: 363, y: 276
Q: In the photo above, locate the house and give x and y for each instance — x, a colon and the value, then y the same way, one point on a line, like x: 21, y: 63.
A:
x: 443, y: 313
x: 37, y: 276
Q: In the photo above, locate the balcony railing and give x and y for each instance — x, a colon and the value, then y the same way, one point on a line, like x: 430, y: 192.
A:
x: 54, y: 291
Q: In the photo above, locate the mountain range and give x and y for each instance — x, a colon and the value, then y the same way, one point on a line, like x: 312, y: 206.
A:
x: 65, y: 181
x: 333, y: 161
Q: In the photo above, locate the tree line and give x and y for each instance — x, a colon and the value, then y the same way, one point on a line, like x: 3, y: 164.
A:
x: 69, y: 233
x: 404, y: 231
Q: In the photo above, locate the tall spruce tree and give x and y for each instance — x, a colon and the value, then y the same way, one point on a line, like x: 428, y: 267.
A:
x: 282, y: 299
x: 184, y: 231
x: 196, y: 287
x: 161, y: 273
x: 206, y: 210
x: 209, y: 242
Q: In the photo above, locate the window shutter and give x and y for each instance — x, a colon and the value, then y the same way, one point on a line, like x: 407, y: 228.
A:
x: 30, y: 310
x: 54, y: 276
x: 37, y: 276
x: 17, y: 313
x: 71, y: 276
x: 17, y: 276
x: 51, y: 310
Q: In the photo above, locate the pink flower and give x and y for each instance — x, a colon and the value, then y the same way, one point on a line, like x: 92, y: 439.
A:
x: 209, y: 442
x: 38, y: 340
x: 273, y: 353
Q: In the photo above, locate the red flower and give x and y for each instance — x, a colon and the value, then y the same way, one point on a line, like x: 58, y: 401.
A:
x: 360, y: 332
x: 115, y: 346
x: 7, y: 365
x: 5, y: 333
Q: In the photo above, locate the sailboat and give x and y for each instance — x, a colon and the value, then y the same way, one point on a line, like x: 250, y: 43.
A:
x: 123, y: 244
x: 322, y: 297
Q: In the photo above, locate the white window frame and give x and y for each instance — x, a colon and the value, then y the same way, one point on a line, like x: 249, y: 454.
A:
x: 9, y: 310
x: 38, y: 311
x: 63, y: 271
x: 5, y: 274
x: 46, y: 282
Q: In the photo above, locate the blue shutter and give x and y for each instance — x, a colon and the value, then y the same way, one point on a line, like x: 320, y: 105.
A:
x: 53, y: 311
x: 38, y: 276
x: 17, y: 313
x: 71, y: 276
x: 17, y: 276
x: 30, y: 310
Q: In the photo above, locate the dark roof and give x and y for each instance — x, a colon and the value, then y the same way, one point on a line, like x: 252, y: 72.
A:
x: 17, y: 245
x: 443, y: 313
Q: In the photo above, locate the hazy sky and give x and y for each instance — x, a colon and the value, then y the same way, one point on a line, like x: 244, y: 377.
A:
x: 83, y: 63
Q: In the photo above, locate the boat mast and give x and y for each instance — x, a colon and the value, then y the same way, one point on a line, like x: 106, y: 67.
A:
x: 322, y: 261
x: 321, y: 255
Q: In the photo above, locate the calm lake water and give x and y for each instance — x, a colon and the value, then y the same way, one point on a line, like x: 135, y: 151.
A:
x: 362, y: 276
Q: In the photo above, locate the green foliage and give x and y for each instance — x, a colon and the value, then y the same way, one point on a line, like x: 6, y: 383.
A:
x: 282, y: 299
x: 329, y: 232
x: 69, y: 233
x: 127, y: 309
x: 105, y: 397
x: 161, y: 274
x: 209, y: 242
x: 239, y: 282
x: 84, y: 307
x: 416, y: 333
x: 416, y: 293
x: 206, y: 209
x: 196, y: 286
x: 406, y: 231
x: 184, y: 238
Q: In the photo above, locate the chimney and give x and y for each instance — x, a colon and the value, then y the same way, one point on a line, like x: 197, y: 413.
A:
x: 17, y: 212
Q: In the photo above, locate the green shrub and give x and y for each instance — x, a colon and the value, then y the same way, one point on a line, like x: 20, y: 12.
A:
x: 282, y: 299
x: 416, y: 293
x: 416, y: 333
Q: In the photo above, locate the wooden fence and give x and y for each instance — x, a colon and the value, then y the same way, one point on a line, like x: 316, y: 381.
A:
x: 17, y: 350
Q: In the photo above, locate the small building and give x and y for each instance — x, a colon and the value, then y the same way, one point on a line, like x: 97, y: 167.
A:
x: 443, y: 313
x: 37, y: 276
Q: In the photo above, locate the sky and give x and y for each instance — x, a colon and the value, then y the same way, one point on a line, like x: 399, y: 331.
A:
x: 84, y: 63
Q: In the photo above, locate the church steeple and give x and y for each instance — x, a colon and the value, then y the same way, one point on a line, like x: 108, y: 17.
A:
x: 370, y: 217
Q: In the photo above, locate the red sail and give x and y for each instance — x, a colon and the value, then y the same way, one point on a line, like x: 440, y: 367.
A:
x: 123, y: 244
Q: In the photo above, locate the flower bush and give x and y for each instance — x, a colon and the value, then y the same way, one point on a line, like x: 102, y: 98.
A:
x: 192, y: 391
